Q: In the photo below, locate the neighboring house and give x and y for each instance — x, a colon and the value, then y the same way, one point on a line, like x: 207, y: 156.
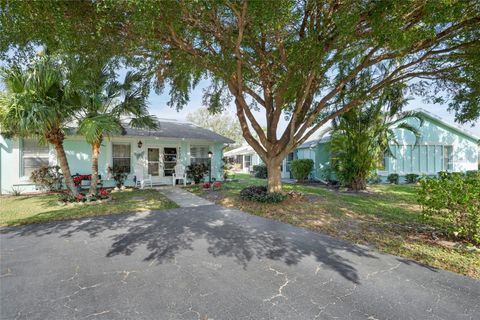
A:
x: 442, y: 147
x: 245, y: 158
x: 139, y: 152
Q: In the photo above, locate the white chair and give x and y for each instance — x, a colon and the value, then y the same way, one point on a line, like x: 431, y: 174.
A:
x: 145, y: 179
x: 179, y: 174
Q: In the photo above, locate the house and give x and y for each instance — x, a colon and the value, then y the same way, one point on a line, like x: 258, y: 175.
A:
x: 245, y: 158
x: 138, y: 152
x: 442, y: 147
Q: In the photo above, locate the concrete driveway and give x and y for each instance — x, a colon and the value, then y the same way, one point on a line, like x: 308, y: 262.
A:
x: 213, y: 263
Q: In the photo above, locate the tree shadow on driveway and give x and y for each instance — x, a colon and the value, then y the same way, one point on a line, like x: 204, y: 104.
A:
x: 227, y: 232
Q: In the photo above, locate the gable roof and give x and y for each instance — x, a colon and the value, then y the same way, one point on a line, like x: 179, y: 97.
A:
x: 246, y: 149
x: 177, y: 129
x: 454, y: 127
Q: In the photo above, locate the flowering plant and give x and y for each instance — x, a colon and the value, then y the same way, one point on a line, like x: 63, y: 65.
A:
x: 77, y: 180
x: 103, y: 193
x: 207, y: 185
x: 217, y: 185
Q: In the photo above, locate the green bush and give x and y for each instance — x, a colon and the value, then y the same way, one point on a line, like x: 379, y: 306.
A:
x: 393, y: 178
x: 411, y: 178
x: 197, y: 171
x: 260, y: 194
x: 260, y: 171
x: 301, y: 168
x: 455, y: 198
x: 374, y: 178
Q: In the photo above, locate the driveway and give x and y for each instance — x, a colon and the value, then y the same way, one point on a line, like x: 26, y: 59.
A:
x: 210, y: 262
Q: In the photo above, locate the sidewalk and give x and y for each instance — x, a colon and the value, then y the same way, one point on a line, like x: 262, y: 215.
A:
x: 183, y: 198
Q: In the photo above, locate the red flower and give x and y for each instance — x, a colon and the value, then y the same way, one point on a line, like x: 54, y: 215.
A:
x: 217, y: 184
x: 103, y: 192
x: 206, y: 185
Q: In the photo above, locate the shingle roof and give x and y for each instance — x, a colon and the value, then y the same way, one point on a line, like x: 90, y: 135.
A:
x: 177, y: 129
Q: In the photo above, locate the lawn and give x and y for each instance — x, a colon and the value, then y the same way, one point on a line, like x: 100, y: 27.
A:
x: 17, y: 210
x: 386, y: 218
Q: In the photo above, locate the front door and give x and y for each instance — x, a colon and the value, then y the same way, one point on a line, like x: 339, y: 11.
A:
x: 153, y: 158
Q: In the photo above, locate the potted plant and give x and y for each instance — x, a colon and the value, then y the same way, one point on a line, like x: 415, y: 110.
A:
x: 196, y: 172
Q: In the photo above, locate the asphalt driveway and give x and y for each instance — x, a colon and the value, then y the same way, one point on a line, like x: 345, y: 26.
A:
x: 210, y: 262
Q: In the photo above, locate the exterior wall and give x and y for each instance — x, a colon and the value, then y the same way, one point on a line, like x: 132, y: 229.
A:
x: 79, y: 157
x: 322, y: 155
x: 427, y: 158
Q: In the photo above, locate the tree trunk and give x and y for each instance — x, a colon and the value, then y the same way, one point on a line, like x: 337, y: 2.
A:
x: 359, y: 184
x: 274, y: 175
x: 94, y: 179
x: 62, y: 160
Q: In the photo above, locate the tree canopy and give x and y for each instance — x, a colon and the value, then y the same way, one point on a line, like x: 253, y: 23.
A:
x: 289, y: 58
x: 221, y: 123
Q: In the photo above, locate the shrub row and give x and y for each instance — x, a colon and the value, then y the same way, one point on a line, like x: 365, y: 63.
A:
x: 260, y: 194
x: 455, y: 198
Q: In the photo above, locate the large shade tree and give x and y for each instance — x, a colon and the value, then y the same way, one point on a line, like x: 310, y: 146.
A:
x: 290, y: 59
x: 37, y: 102
x: 106, y: 105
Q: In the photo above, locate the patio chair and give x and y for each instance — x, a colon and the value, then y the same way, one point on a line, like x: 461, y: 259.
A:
x: 145, y: 179
x: 179, y: 174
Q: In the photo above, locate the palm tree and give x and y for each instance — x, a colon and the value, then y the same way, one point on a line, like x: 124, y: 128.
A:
x: 37, y: 102
x: 362, y: 136
x: 106, y: 105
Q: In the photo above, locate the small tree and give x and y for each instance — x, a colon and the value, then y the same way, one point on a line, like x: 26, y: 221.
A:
x: 105, y: 104
x: 301, y: 168
x: 38, y: 102
x: 361, y: 137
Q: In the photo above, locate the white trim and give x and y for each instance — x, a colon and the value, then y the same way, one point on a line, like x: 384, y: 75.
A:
x: 131, y: 153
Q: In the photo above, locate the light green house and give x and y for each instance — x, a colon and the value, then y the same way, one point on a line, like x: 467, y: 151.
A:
x: 442, y: 147
x: 139, y: 152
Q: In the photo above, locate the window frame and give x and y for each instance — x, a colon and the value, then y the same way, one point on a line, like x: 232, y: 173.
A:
x: 194, y: 160
x: 130, y: 155
x: 22, y: 175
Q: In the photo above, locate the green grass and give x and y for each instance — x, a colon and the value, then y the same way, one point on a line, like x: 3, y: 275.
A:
x: 20, y: 210
x: 387, y: 217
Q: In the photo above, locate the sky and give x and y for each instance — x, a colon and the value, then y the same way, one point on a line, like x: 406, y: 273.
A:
x: 158, y: 107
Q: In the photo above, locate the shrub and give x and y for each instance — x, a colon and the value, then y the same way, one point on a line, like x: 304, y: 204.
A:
x: 48, y: 178
x: 207, y: 185
x: 249, y: 193
x: 260, y: 194
x: 455, y: 198
x: 227, y: 167
x: 197, y: 172
x: 119, y: 177
x: 374, y: 178
x: 217, y: 185
x: 301, y: 168
x: 16, y: 192
x: 260, y: 171
x: 393, y: 178
x: 411, y: 178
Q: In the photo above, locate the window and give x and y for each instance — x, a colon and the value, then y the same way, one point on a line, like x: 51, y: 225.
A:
x: 121, y: 157
x: 199, y: 154
x: 239, y: 161
x: 448, y: 158
x: 34, y: 155
x: 169, y: 161
x: 248, y: 161
x: 153, y: 157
